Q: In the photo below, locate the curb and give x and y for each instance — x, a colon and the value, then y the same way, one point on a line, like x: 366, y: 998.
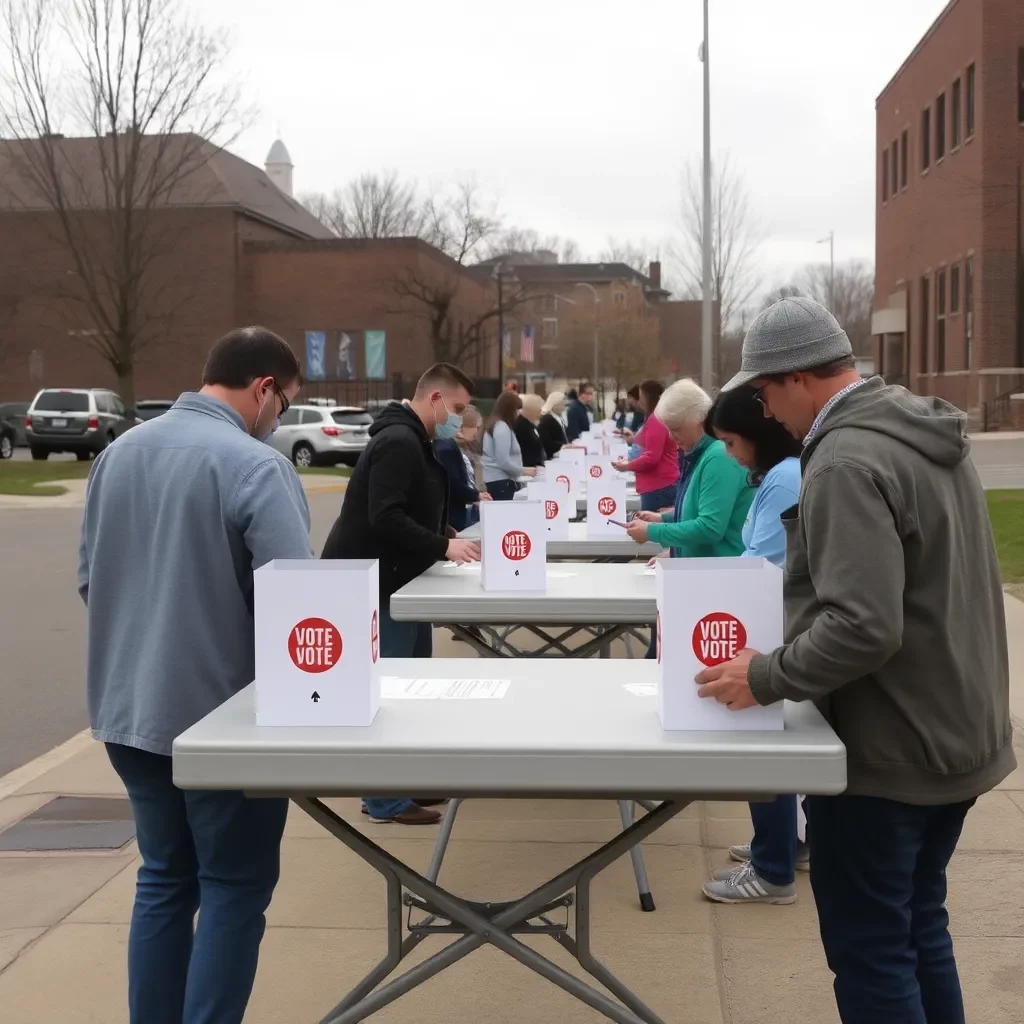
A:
x: 20, y: 777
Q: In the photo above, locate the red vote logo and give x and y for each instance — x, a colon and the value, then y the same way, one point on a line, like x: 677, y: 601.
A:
x: 606, y: 506
x: 563, y: 479
x: 718, y: 638
x: 596, y: 472
x: 314, y: 645
x: 550, y: 509
x: 374, y: 638
x: 658, y: 636
x: 515, y: 545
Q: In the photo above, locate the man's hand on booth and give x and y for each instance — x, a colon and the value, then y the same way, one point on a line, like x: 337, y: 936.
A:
x: 727, y: 683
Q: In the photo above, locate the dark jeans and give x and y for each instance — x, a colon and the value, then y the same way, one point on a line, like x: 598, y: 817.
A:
x: 399, y: 640
x: 773, y: 848
x: 215, y: 852
x: 502, y: 490
x: 655, y: 501
x: 878, y: 871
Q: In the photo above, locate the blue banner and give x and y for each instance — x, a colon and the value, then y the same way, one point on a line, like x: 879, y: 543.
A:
x: 316, y: 346
x: 376, y: 355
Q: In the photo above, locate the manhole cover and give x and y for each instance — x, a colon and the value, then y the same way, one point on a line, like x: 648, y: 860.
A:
x: 72, y: 823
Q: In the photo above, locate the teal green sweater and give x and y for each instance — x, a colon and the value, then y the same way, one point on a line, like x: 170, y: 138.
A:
x: 710, y: 523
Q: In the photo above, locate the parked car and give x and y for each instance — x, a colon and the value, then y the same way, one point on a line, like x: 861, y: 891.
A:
x: 316, y: 435
x: 7, y: 439
x: 79, y: 420
x: 150, y: 408
x: 375, y: 406
x: 13, y: 414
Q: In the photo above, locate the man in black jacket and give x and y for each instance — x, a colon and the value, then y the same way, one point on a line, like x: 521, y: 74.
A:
x: 578, y: 416
x: 396, y: 510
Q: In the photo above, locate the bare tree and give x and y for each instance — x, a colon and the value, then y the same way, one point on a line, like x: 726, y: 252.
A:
x: 140, y: 79
x: 371, y: 206
x: 736, y: 237
x: 637, y: 256
x: 780, y: 292
x: 523, y: 241
x: 849, y: 293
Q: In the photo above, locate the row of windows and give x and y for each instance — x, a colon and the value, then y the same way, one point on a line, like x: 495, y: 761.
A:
x: 957, y: 118
x: 953, y: 292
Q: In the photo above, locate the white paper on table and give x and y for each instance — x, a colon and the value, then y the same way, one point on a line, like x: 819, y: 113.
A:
x: 652, y: 571
x: 465, y: 567
x: 641, y: 689
x: 395, y: 688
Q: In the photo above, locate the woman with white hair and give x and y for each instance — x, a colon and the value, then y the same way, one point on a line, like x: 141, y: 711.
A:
x: 551, y: 428
x: 527, y: 433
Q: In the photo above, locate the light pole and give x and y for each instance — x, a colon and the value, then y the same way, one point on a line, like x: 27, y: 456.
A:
x: 706, y: 346
x: 597, y: 303
x: 831, y: 239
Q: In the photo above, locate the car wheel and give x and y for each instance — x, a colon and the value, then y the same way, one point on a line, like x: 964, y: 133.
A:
x: 82, y: 456
x: 303, y: 456
x: 6, y: 447
x: 39, y: 454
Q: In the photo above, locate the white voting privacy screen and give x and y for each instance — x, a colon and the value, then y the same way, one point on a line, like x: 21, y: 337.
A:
x: 606, y: 501
x: 559, y: 507
x: 317, y: 643
x: 566, y: 475
x: 513, y: 545
x: 709, y: 609
x: 574, y: 453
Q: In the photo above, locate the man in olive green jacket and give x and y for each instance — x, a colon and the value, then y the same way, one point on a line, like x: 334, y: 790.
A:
x: 895, y: 629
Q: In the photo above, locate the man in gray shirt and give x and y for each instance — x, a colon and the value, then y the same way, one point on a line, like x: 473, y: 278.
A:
x: 179, y: 512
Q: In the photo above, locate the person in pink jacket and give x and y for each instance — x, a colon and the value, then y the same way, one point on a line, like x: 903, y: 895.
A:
x: 657, y: 467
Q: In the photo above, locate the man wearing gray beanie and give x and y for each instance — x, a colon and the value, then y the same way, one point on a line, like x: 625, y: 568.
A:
x: 895, y: 629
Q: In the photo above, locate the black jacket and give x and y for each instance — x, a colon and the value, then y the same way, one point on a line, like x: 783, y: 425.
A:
x: 578, y: 419
x: 396, y: 505
x: 552, y: 434
x: 529, y: 442
x: 461, y: 489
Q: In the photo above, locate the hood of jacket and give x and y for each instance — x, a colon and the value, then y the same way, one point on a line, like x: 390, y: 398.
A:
x: 398, y: 414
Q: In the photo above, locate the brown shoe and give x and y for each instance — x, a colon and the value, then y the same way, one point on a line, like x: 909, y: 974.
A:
x: 435, y: 801
x: 414, y: 815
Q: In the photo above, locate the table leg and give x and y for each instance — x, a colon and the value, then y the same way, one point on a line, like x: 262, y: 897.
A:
x: 643, y: 887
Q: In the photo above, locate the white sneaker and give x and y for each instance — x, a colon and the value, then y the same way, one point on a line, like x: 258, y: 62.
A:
x: 745, y: 885
x: 741, y: 853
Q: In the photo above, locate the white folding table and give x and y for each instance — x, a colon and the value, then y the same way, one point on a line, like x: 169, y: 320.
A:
x: 632, y: 501
x: 565, y: 731
x: 619, y: 547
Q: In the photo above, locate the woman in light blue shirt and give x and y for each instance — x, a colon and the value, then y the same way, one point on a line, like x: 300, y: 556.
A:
x: 768, y: 863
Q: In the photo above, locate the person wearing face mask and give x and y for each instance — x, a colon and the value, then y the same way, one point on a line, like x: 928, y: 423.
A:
x: 179, y: 512
x: 396, y: 510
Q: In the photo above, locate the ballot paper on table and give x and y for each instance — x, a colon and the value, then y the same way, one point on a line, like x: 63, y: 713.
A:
x: 394, y: 688
x: 641, y: 689
x: 559, y: 507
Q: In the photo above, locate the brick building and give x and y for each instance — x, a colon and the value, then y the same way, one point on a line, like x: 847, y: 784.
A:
x: 950, y: 138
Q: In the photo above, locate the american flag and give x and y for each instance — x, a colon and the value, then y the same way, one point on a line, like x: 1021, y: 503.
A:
x: 526, y: 345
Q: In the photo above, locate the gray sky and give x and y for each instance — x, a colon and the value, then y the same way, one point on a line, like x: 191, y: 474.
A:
x: 579, y: 114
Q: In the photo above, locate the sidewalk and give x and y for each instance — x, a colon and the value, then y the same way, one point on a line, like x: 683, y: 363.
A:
x: 64, y: 918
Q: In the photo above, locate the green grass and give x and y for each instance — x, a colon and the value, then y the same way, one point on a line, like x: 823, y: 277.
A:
x: 327, y: 470
x: 1006, y: 510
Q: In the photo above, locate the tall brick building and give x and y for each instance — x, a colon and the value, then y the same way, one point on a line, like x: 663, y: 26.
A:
x: 950, y: 141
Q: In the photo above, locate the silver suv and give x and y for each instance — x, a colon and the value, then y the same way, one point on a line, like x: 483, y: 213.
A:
x: 322, y: 435
x: 79, y: 420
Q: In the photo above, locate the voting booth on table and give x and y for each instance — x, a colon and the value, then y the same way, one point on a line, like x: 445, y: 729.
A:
x: 709, y: 609
x: 317, y: 642
x: 559, y: 506
x: 606, y: 499
x: 513, y: 545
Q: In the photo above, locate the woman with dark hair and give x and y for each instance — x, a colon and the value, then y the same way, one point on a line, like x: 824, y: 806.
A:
x: 657, y: 466
x: 767, y: 864
x: 503, y: 458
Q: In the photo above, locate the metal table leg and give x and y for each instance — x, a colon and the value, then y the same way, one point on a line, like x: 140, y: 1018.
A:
x: 643, y: 887
x: 493, y: 923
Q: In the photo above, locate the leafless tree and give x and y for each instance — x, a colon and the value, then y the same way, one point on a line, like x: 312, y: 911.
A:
x: 371, y: 206
x: 849, y: 293
x: 780, y: 292
x: 140, y: 79
x: 523, y: 241
x: 637, y: 256
x: 736, y: 237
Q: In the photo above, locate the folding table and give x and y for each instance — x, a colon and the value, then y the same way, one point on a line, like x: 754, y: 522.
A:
x: 561, y: 731
x: 619, y: 547
x: 632, y: 501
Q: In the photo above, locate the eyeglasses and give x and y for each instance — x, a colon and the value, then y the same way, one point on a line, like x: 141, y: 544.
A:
x: 285, y: 404
x: 759, y: 395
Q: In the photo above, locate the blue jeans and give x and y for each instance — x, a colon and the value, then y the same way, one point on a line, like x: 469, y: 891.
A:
x: 773, y: 848
x: 398, y: 640
x: 215, y: 852
x: 655, y: 501
x: 878, y: 871
x: 502, y: 490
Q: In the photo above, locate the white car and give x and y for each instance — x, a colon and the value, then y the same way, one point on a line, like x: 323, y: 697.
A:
x: 322, y: 435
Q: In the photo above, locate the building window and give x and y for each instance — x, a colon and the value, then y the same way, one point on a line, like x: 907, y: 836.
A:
x: 926, y: 312
x: 904, y: 147
x: 940, y: 322
x: 940, y: 126
x: 954, y: 289
x: 549, y: 304
x: 885, y: 174
x: 969, y: 112
x: 551, y: 328
x: 1020, y: 85
x: 926, y: 138
x: 620, y: 298
x: 895, y: 168
x: 968, y: 310
x: 955, y: 113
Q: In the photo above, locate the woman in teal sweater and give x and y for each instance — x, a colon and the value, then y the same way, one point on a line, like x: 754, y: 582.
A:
x: 714, y: 490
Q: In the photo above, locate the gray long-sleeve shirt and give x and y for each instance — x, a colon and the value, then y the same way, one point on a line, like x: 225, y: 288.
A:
x: 502, y: 456
x: 178, y: 514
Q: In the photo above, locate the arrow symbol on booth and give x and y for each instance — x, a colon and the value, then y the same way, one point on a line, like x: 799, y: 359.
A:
x: 315, y: 697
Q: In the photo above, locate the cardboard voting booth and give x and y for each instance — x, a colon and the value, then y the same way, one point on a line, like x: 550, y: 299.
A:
x: 576, y: 454
x: 618, y: 451
x: 595, y: 446
x: 606, y: 501
x: 709, y: 609
x: 599, y: 470
x: 559, y: 507
x: 567, y: 475
x: 513, y: 547
x: 317, y: 643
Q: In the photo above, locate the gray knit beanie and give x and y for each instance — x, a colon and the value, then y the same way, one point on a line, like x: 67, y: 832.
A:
x: 790, y: 335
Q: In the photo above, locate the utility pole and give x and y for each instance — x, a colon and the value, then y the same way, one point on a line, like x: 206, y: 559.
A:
x: 707, y: 344
x: 831, y: 239
x: 499, y: 275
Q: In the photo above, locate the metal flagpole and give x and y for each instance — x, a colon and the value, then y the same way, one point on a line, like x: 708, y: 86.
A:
x: 707, y: 345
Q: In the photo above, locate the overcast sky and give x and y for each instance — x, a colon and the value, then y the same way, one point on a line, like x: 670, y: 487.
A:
x: 578, y: 115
